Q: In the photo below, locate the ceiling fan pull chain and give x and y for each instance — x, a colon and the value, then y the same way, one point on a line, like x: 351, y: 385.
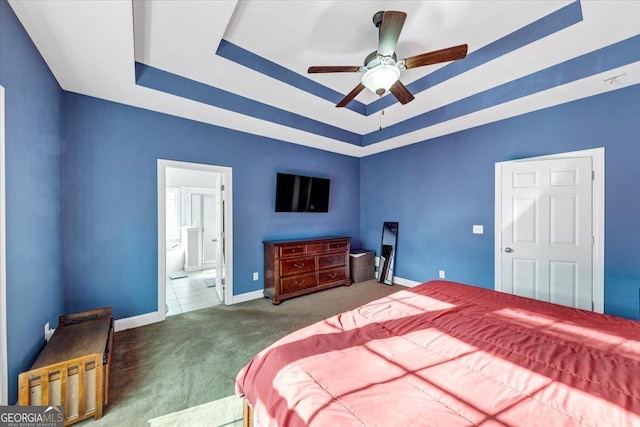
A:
x: 381, y: 114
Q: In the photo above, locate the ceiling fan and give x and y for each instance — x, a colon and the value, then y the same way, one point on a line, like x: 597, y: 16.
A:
x: 382, y: 69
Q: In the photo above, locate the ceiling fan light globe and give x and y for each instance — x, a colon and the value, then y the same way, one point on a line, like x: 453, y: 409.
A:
x: 381, y: 77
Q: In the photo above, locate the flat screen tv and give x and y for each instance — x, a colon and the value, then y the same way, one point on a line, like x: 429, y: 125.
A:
x: 298, y: 193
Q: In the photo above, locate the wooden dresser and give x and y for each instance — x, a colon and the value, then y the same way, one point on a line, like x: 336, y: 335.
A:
x: 298, y: 267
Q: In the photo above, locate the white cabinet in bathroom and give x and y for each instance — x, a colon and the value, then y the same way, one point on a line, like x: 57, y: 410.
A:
x: 190, y: 237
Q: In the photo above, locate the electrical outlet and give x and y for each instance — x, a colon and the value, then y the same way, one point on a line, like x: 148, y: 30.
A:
x: 48, y: 332
x: 478, y: 229
x: 255, y: 275
x: 441, y: 274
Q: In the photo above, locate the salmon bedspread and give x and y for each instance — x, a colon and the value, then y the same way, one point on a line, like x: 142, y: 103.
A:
x: 448, y: 354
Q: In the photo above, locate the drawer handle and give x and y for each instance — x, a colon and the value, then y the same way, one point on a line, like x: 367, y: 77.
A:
x: 331, y: 260
x: 300, y: 282
x: 293, y: 250
x: 298, y: 265
x: 332, y: 275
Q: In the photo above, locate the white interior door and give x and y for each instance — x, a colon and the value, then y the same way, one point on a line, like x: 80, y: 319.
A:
x: 546, y: 230
x: 210, y: 234
x: 218, y: 216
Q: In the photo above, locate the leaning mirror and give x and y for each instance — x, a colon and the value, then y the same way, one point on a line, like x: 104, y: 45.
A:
x: 388, y: 252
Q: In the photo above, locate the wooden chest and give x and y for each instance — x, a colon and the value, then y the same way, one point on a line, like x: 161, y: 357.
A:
x: 298, y: 267
x: 73, y: 368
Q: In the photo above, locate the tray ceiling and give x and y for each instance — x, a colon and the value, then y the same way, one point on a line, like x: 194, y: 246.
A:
x: 242, y: 65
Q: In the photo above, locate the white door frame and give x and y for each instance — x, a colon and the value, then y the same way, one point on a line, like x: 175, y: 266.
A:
x: 4, y: 368
x: 226, y: 173
x: 597, y: 156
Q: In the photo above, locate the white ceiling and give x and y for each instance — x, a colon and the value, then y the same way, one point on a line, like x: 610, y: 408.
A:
x: 91, y: 47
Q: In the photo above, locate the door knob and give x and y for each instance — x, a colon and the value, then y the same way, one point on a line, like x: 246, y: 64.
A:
x: 508, y: 250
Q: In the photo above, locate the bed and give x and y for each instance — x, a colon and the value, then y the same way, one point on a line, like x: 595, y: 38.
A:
x: 449, y: 354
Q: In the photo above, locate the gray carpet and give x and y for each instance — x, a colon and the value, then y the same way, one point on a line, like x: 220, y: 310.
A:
x: 193, y: 358
x: 225, y: 412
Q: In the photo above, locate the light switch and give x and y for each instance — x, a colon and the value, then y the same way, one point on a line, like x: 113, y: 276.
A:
x: 478, y: 229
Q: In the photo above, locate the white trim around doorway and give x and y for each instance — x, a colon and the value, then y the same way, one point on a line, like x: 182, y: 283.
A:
x: 4, y: 368
x: 598, y: 188
x: 160, y: 314
x: 227, y: 176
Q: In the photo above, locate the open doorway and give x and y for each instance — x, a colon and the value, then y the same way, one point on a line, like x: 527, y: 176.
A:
x: 195, y: 240
x: 194, y: 236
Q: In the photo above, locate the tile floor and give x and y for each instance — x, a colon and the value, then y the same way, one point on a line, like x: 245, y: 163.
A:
x: 190, y: 293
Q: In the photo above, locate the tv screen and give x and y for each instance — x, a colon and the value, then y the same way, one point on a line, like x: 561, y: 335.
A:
x: 298, y: 193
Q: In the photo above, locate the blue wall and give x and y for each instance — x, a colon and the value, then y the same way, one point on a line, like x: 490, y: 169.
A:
x: 87, y: 218
x: 110, y: 198
x: 33, y: 182
x: 438, y: 189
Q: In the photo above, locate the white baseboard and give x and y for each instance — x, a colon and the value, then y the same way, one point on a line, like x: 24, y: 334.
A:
x: 248, y: 296
x: 137, y: 321
x: 405, y: 282
x: 149, y: 318
x: 398, y: 280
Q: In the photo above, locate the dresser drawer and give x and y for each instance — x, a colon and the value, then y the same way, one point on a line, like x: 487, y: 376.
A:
x: 296, y: 283
x: 291, y: 250
x: 290, y: 267
x: 316, y: 248
x: 340, y: 245
x: 329, y: 276
x: 331, y: 260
